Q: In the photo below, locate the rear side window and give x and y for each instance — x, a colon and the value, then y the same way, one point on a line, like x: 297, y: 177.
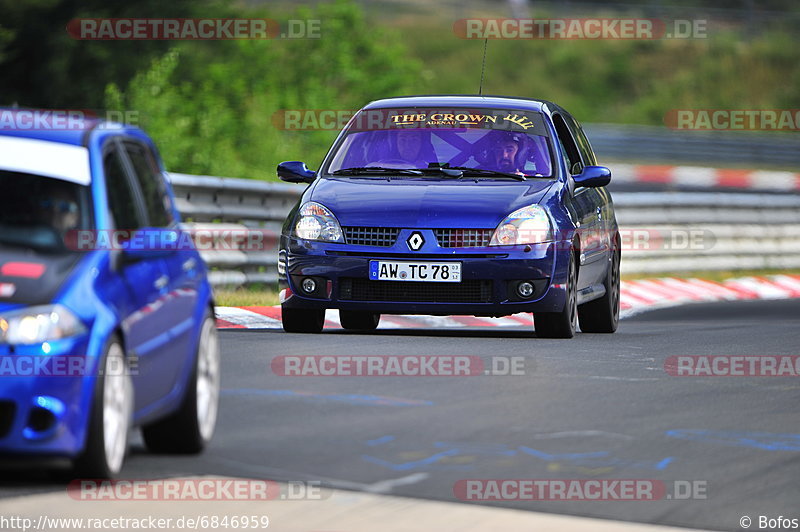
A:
x: 587, y: 154
x: 121, y: 200
x: 156, y: 198
x: 574, y: 164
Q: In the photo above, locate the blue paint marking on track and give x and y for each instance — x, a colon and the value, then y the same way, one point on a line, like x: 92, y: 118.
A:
x: 378, y: 441
x: 765, y: 441
x: 405, y: 466
x: 355, y: 399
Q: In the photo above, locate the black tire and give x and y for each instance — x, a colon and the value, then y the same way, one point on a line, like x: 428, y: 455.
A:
x: 561, y: 324
x: 602, y: 315
x: 98, y: 460
x: 189, y: 430
x: 300, y: 320
x: 359, y: 320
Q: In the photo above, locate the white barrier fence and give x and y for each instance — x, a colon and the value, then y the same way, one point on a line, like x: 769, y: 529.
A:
x: 662, y: 232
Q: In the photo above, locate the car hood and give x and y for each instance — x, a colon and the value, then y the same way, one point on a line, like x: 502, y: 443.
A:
x: 425, y: 203
x: 31, y: 278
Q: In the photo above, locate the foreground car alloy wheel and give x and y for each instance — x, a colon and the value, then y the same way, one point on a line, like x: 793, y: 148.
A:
x: 189, y: 429
x: 207, y: 380
x: 110, y: 419
x: 561, y: 324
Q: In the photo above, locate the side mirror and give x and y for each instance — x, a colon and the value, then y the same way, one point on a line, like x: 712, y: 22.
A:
x: 295, y: 172
x: 593, y: 176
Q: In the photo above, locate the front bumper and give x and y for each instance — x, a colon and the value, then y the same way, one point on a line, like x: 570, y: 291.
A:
x: 44, y: 398
x: 487, y: 287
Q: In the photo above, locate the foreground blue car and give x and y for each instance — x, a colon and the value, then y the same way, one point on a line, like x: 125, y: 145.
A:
x: 100, y: 330
x: 485, y: 206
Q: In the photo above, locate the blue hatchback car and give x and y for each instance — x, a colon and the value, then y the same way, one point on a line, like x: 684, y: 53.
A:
x: 100, y: 329
x: 442, y: 205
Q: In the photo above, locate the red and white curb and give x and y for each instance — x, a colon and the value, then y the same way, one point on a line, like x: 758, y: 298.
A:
x: 636, y: 297
x: 706, y: 177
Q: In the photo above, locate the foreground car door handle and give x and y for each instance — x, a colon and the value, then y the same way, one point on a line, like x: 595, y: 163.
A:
x: 161, y: 282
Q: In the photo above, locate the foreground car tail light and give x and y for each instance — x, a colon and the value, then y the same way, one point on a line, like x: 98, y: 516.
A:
x: 528, y: 225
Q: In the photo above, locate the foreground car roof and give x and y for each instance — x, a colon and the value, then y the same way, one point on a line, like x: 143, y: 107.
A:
x: 24, y: 122
x: 502, y: 102
x: 60, y: 160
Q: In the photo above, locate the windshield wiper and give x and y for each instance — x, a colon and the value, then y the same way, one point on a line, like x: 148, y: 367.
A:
x: 489, y: 173
x: 366, y: 170
x: 449, y: 172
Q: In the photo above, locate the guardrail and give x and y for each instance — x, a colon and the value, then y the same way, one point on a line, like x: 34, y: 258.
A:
x: 662, y: 232
x: 239, y: 206
x: 708, y: 231
x: 660, y: 144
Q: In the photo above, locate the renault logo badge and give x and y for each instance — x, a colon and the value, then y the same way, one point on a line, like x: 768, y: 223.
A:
x: 415, y: 241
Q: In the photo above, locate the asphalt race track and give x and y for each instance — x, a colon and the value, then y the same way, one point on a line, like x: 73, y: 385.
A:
x: 596, y: 406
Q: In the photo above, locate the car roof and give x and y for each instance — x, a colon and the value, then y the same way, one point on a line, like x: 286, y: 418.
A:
x: 59, y: 127
x: 462, y: 100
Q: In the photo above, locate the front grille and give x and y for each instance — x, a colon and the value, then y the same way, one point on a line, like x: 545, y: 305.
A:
x: 472, y: 291
x: 371, y: 236
x: 463, y: 238
x: 7, y: 411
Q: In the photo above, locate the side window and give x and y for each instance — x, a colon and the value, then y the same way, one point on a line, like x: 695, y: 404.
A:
x: 587, y: 154
x: 574, y: 163
x: 156, y: 199
x: 121, y: 199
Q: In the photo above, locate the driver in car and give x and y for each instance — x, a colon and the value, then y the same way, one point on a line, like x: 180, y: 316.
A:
x: 507, y: 150
x: 59, y: 209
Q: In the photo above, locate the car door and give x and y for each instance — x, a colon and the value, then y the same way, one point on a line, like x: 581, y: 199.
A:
x: 179, y: 293
x: 606, y: 223
x: 145, y: 280
x: 584, y: 203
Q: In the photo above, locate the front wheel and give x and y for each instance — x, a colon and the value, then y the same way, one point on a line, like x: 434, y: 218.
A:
x: 189, y: 430
x: 109, y: 418
x: 300, y: 320
x: 561, y: 324
x: 359, y: 320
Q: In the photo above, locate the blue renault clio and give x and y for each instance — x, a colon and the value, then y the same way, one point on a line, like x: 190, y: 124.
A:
x: 443, y: 205
x: 100, y: 329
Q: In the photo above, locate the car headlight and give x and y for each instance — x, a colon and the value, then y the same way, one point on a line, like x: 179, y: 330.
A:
x: 528, y: 225
x: 36, y: 325
x: 317, y: 222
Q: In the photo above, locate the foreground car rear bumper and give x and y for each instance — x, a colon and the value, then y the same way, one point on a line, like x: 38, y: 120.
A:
x: 487, y: 287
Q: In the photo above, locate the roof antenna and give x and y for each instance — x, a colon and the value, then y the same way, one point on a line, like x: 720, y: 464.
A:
x: 483, y: 66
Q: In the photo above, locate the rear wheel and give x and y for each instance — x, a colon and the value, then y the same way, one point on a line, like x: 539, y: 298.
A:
x: 300, y: 320
x: 359, y: 320
x: 602, y: 315
x: 561, y: 324
x: 109, y: 419
x: 189, y: 430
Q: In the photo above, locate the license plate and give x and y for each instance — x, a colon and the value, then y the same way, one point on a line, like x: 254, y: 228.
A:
x: 437, y: 272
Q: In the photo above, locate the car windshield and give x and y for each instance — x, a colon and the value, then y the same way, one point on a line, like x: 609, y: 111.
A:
x: 41, y: 212
x: 509, y: 142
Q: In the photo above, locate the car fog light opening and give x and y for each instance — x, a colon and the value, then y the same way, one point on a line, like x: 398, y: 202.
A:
x: 525, y: 289
x: 309, y: 285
